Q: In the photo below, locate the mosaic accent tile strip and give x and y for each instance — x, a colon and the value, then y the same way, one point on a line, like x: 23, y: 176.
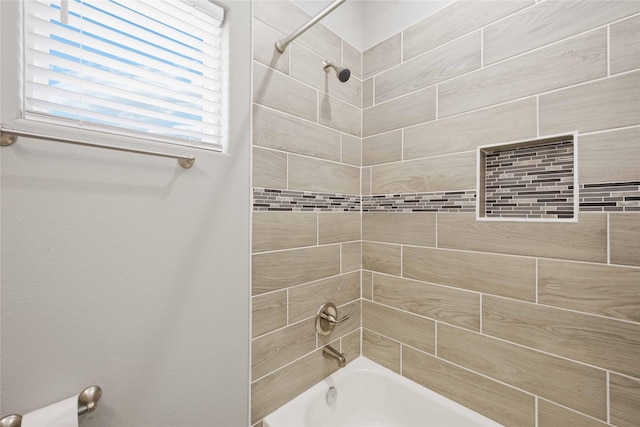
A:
x: 439, y: 201
x: 265, y: 199
x: 610, y: 197
x: 604, y: 197
x: 530, y: 181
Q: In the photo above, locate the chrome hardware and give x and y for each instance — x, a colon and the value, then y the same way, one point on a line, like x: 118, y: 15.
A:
x: 334, y: 354
x: 282, y: 44
x: 87, y: 402
x: 332, y: 395
x: 9, y: 136
x: 327, y: 318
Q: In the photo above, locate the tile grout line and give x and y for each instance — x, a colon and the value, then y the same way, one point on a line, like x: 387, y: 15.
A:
x: 536, y: 274
x: 288, y: 319
x: 608, y: 238
x: 481, y: 315
x: 481, y: 48
x: 608, y: 391
x: 437, y: 103
x: 538, y: 116
x: 435, y: 338
x: 609, y: 50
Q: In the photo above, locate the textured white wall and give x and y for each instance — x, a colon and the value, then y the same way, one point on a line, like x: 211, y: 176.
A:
x: 130, y: 272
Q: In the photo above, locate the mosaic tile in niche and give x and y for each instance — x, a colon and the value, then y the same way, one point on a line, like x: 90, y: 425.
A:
x: 532, y: 180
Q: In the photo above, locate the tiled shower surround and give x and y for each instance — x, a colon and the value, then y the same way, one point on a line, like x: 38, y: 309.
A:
x: 530, y: 182
x: 528, y: 323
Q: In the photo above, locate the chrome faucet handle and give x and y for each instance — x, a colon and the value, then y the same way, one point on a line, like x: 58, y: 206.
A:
x: 327, y: 318
x: 332, y: 319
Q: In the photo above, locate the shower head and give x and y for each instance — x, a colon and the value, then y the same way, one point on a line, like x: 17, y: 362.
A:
x: 342, y: 73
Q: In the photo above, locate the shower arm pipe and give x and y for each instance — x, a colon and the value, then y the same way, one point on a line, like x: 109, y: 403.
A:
x: 282, y: 44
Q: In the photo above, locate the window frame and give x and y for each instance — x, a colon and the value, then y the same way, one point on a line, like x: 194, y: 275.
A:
x: 12, y: 116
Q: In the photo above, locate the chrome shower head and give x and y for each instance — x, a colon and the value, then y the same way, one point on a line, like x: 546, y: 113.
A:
x: 342, y: 73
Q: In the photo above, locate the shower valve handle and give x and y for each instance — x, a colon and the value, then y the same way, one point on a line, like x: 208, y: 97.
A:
x: 332, y: 319
x: 327, y: 318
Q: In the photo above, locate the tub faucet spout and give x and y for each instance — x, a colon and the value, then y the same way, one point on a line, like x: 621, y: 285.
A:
x: 334, y: 354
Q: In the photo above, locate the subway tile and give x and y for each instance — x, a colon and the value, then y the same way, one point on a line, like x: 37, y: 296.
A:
x: 383, y: 148
x: 339, y: 115
x: 283, y: 230
x: 354, y: 310
x: 309, y: 174
x: 593, y: 288
x: 572, y: 61
x: 450, y: 173
x: 351, y: 256
x: 624, y: 42
x: 624, y: 236
x: 459, y: 18
x: 440, y: 303
x: 338, y: 227
x: 602, y: 342
x: 272, y: 351
x: 365, y: 187
x: 269, y: 312
x: 305, y: 300
x: 552, y: 415
x: 275, y: 90
x: 264, y: 47
x: 309, y: 68
x: 277, y: 270
x: 381, y: 350
x: 600, y: 105
x: 381, y: 257
x: 286, y: 17
x: 273, y: 129
x: 350, y: 345
x: 269, y: 168
x: 276, y: 389
x: 509, y: 122
x: 492, y: 399
x: 367, y: 285
x: 351, y: 150
x: 417, y: 107
x: 571, y: 384
x: 400, y: 326
x: 625, y: 400
x: 406, y: 228
x: 442, y: 63
x: 529, y: 29
x: 510, y: 276
x: 384, y: 55
x: 611, y: 156
x: 352, y: 59
x: 585, y: 240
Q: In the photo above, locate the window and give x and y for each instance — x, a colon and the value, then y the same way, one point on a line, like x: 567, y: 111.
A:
x: 147, y: 68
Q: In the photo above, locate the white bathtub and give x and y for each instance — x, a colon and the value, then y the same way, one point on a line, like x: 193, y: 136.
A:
x: 372, y: 395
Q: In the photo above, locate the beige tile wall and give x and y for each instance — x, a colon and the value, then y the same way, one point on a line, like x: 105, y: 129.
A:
x: 534, y: 322
x: 523, y: 322
x: 306, y: 137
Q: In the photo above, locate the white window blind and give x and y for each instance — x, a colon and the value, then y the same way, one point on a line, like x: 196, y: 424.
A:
x: 149, y: 68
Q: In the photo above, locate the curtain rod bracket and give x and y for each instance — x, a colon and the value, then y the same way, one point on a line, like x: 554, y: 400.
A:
x: 7, y: 139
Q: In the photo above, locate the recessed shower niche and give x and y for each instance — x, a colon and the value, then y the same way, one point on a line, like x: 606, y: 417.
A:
x: 533, y: 180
